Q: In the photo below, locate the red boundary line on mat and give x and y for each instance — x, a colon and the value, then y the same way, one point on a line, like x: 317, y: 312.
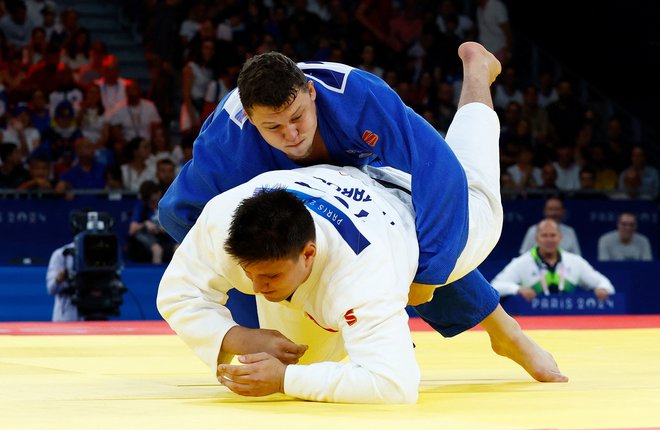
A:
x: 572, y: 322
x: 594, y: 322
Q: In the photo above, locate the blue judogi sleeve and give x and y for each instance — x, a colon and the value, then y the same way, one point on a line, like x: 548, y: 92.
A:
x: 229, y: 151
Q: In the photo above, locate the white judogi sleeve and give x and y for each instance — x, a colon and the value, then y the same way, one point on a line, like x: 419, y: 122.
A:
x: 193, y: 292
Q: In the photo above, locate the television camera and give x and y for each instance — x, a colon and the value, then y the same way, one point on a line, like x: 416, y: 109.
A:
x: 95, y: 282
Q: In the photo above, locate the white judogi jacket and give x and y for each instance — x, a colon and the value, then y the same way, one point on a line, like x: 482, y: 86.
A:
x: 352, y: 303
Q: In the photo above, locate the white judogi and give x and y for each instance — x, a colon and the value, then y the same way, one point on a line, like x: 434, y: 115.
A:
x: 353, y: 302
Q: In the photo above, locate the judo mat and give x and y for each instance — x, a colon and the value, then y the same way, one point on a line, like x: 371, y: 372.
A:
x: 138, y: 375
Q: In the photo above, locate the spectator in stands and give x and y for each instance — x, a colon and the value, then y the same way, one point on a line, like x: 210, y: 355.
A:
x: 36, y: 8
x: 494, y: 29
x: 85, y: 174
x: 216, y: 90
x: 165, y: 173
x: 548, y: 269
x: 12, y: 172
x: 566, y: 114
x: 36, y: 49
x: 50, y: 23
x: 549, y: 178
x: 507, y: 186
x: 405, y: 27
x: 553, y: 209
x: 524, y: 173
x: 163, y: 89
x: 368, y: 61
x: 568, y: 171
x: 57, y: 284
x: 16, y: 25
x: 536, y: 114
x: 40, y: 75
x: 135, y: 116
x: 39, y: 113
x: 547, y: 90
x: 606, y: 177
x: 446, y: 108
x: 112, y: 86
x: 190, y: 26
x: 374, y: 16
x: 617, y: 147
x: 137, y: 170
x: 21, y: 132
x: 187, y: 142
x: 506, y: 89
x: 114, y: 182
x: 463, y: 28
x: 197, y: 74
x: 75, y: 53
x: 65, y: 89
x: 69, y: 20
x: 648, y: 174
x: 38, y: 175
x: 90, y: 120
x: 624, y: 243
x: 59, y: 138
x: 93, y: 70
x: 632, y: 187
x: 14, y: 76
x: 588, y: 189
x: 161, y: 147
x: 147, y: 240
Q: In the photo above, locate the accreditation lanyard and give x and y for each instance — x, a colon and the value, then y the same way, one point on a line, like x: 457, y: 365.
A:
x: 550, y: 275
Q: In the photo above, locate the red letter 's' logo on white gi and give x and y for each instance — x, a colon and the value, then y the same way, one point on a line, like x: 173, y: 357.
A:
x: 370, y: 137
x: 350, y: 317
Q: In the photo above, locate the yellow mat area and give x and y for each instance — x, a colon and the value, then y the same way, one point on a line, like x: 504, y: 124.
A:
x: 154, y: 382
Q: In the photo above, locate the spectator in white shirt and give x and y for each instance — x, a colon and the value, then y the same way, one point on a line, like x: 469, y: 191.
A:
x: 113, y: 87
x: 624, y: 243
x: 135, y: 116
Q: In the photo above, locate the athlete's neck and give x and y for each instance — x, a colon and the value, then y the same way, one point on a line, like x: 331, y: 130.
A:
x: 319, y: 153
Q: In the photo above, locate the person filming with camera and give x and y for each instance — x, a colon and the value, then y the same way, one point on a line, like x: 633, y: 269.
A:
x: 58, y: 284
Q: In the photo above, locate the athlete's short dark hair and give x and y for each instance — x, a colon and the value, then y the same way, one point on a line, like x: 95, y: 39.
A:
x: 270, y: 79
x: 271, y: 225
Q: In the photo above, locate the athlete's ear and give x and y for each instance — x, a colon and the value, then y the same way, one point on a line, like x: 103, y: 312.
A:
x: 311, y: 89
x: 309, y: 251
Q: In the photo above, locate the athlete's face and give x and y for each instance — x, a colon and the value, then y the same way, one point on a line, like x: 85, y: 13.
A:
x: 290, y: 129
x: 277, y: 280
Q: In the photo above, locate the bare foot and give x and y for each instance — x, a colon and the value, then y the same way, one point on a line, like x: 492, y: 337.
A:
x: 508, y: 340
x: 477, y: 59
x: 538, y: 362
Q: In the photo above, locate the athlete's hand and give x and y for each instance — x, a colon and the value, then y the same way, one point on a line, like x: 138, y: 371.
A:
x: 242, y: 340
x: 261, y: 374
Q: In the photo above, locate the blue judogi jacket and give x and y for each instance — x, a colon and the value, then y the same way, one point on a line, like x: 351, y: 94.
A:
x: 362, y: 121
